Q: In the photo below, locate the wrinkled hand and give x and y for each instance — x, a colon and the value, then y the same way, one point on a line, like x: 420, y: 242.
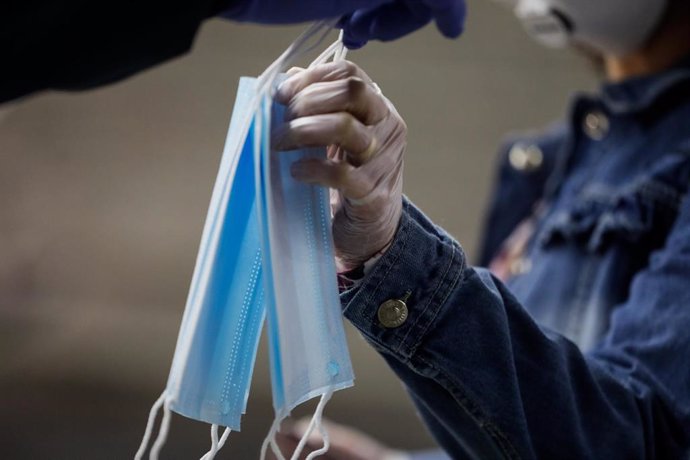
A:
x: 337, y: 105
x: 363, y: 20
x: 346, y: 443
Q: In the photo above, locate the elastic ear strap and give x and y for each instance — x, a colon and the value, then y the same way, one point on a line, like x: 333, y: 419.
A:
x: 162, y: 432
x: 326, y: 55
x: 343, y: 49
x: 216, y: 444
x: 318, y: 417
x: 337, y: 50
x: 316, y: 421
x: 224, y: 438
x: 324, y: 448
x: 149, y: 426
x: 270, y: 440
x: 299, y: 47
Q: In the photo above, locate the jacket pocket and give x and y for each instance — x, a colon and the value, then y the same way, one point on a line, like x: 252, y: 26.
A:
x: 640, y: 212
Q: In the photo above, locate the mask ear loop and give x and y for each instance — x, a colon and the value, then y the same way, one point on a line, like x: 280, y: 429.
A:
x: 296, y: 49
x: 316, y: 422
x: 270, y: 440
x: 327, y: 54
x: 342, y: 53
x: 216, y: 444
x: 162, y: 432
x: 149, y: 426
x: 336, y: 50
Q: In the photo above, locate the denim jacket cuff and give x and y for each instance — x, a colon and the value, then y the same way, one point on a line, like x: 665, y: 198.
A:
x: 423, y: 261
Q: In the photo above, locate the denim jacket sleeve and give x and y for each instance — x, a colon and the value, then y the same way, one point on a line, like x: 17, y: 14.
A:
x: 491, y: 383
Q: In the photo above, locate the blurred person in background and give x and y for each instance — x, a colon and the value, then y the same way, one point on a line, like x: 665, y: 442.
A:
x: 575, y: 342
x: 75, y: 44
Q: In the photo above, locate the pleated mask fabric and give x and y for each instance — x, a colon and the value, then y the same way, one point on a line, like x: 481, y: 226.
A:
x: 266, y: 252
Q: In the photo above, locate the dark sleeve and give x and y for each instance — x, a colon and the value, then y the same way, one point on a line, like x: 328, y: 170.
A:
x: 493, y: 384
x: 79, y: 44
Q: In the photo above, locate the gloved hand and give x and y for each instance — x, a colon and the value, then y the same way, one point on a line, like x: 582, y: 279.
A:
x: 392, y: 20
x: 337, y: 105
x: 346, y: 443
x: 366, y: 19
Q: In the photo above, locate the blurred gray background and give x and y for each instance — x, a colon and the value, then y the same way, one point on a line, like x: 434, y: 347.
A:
x: 103, y: 196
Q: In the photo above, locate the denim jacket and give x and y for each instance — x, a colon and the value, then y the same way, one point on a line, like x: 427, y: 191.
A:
x: 583, y: 350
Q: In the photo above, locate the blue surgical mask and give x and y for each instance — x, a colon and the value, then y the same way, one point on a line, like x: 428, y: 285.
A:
x: 266, y: 250
x: 307, y: 346
x: 211, y: 371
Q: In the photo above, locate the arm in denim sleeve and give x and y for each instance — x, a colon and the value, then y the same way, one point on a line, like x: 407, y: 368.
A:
x: 492, y: 384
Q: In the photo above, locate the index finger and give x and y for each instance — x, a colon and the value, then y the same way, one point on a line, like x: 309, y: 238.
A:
x: 449, y: 16
x: 330, y: 71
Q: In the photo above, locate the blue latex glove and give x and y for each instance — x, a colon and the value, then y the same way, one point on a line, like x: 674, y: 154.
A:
x: 392, y: 20
x: 362, y: 20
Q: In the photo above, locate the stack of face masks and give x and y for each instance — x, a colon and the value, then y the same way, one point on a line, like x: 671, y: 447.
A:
x: 266, y: 252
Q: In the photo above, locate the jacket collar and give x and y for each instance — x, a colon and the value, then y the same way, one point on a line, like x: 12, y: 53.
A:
x: 640, y: 93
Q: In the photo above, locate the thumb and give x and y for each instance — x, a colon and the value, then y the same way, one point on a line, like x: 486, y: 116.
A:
x: 449, y: 16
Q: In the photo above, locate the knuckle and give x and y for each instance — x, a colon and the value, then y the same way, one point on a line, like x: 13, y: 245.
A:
x: 349, y: 68
x: 295, y: 69
x: 355, y: 87
x: 346, y: 126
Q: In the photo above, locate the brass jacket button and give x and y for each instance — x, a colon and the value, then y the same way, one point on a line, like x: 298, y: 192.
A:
x: 525, y: 158
x: 596, y: 125
x: 393, y: 313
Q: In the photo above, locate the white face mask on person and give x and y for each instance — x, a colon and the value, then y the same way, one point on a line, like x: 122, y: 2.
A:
x: 614, y: 27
